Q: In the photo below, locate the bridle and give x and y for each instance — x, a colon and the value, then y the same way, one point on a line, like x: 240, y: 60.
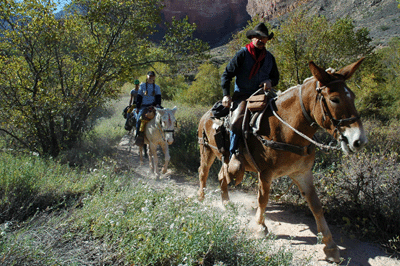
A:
x: 337, y: 123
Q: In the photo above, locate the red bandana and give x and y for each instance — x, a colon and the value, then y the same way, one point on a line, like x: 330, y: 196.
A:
x: 252, y: 50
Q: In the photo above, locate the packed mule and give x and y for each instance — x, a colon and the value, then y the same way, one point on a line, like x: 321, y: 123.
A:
x: 282, y: 144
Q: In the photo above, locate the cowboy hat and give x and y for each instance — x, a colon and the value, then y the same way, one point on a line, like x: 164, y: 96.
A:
x: 259, y: 31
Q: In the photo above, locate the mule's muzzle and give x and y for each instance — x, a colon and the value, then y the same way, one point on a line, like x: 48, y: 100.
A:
x: 344, y: 144
x: 169, y: 136
x: 352, y: 147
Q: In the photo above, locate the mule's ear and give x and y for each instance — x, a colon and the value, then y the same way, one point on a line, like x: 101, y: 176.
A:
x: 319, y: 73
x: 174, y: 110
x: 349, y: 70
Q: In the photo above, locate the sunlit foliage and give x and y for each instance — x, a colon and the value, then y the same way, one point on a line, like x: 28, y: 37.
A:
x: 55, y: 73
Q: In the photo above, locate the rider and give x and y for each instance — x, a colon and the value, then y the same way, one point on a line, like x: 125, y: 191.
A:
x: 134, y: 93
x: 132, y: 100
x: 254, y: 67
x: 149, y: 95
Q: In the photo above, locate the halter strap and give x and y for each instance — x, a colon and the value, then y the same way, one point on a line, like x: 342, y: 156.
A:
x: 303, y: 109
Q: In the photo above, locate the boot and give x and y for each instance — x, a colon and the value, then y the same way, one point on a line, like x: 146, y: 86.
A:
x: 139, y: 139
x: 236, y: 168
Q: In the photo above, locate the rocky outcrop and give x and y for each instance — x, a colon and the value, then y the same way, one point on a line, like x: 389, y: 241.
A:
x: 217, y: 19
x: 380, y: 17
x: 270, y: 9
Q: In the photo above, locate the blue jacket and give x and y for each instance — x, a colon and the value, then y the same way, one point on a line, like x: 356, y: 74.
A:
x: 240, y: 67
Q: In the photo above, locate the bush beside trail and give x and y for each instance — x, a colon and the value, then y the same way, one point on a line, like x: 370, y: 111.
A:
x: 121, y: 219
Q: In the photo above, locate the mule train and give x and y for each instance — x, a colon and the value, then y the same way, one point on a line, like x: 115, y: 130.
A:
x: 280, y: 141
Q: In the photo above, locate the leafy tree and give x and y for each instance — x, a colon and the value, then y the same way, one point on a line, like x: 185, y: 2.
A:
x: 171, y: 82
x: 302, y: 38
x: 390, y: 71
x: 206, y: 88
x: 56, y: 73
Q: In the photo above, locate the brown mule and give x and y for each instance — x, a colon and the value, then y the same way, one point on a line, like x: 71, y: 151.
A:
x: 323, y: 101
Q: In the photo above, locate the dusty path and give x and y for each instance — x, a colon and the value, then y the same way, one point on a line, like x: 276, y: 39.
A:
x: 293, y: 229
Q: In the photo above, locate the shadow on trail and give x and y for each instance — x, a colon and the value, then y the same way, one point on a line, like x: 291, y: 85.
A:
x: 354, y: 252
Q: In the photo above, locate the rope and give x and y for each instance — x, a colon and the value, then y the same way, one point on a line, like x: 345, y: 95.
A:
x: 319, y: 145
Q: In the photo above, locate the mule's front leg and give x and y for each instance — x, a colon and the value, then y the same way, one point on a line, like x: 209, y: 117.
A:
x: 141, y: 155
x: 307, y: 189
x: 167, y: 157
x: 153, y: 160
x: 264, y: 185
x: 207, y: 157
x: 222, y: 177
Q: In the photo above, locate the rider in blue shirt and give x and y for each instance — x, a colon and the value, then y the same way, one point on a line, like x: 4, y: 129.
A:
x: 149, y: 94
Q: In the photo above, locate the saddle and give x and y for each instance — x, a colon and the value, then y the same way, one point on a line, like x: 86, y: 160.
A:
x: 149, y: 113
x: 244, y: 115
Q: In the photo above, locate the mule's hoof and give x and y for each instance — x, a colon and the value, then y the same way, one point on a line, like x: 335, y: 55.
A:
x: 225, y: 198
x: 200, y: 194
x: 225, y: 202
x: 164, y: 171
x: 332, y: 254
x: 259, y: 231
x: 263, y: 229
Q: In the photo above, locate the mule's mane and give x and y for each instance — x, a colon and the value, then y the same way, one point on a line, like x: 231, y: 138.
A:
x: 279, y: 93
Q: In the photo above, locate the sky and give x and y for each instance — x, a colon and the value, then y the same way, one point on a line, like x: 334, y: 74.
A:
x: 61, y: 4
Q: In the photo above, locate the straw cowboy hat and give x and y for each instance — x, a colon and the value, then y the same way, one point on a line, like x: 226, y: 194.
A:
x: 259, y: 31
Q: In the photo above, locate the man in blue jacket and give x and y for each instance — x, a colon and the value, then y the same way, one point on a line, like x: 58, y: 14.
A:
x: 254, y: 67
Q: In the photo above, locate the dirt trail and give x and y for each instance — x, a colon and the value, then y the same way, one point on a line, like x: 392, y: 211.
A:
x: 293, y: 229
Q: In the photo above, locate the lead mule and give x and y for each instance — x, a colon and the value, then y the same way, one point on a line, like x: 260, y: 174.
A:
x: 292, y: 118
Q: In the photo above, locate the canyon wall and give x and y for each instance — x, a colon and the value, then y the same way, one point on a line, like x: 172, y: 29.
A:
x: 215, y: 19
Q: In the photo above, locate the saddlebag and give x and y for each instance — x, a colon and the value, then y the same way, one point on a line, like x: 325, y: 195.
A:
x: 257, y: 102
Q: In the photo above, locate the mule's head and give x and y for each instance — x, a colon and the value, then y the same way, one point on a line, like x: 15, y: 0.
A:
x: 335, y: 109
x: 168, y: 123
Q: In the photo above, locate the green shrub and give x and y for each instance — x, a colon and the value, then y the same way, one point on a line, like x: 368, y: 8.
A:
x: 133, y: 223
x: 99, y: 143
x: 30, y: 184
x: 206, y: 88
x: 152, y: 227
x: 184, y: 151
x: 361, y: 191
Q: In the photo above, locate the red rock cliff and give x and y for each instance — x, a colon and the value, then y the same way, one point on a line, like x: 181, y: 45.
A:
x: 215, y: 19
